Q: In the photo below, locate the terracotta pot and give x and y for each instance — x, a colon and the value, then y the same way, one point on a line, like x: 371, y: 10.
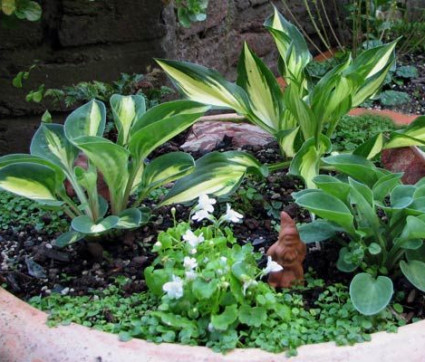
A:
x: 24, y: 336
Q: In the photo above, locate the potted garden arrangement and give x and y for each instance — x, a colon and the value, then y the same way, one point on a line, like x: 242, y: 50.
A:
x: 203, y: 284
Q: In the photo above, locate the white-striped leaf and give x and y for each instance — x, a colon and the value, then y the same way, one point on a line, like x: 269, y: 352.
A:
x: 265, y: 95
x: 287, y: 141
x: 215, y: 174
x: 87, y: 120
x: 206, y: 86
x: 84, y: 225
x: 371, y: 148
x: 412, y: 135
x: 129, y: 219
x: 126, y: 111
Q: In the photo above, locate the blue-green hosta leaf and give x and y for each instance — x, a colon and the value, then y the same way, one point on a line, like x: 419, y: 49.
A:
x: 362, y: 197
x: 126, y: 110
x: 307, y: 160
x: 49, y: 142
x: 149, y: 137
x: 205, y: 86
x: 402, y: 196
x: 370, y: 295
x: 318, y: 230
x: 87, y: 120
x: 167, y: 168
x: 35, y: 181
x: 129, y: 219
x: 417, y: 254
x: 167, y: 110
x: 83, y: 224
x: 412, y: 135
x: 354, y: 166
x: 68, y: 238
x: 332, y: 186
x: 414, y: 271
x: 414, y: 229
x: 265, y: 95
x: 385, y: 185
x: 371, y: 148
x: 343, y: 264
x: 215, y: 174
x: 111, y: 160
x: 329, y: 208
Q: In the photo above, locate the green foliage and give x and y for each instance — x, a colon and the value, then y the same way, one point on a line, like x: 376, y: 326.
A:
x: 54, y: 149
x: 191, y: 11
x: 394, y: 98
x: 299, y: 116
x: 18, y: 213
x: 21, y: 9
x: 383, y: 219
x: 352, y: 132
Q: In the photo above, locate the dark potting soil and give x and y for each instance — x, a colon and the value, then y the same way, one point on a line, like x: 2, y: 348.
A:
x: 31, y: 266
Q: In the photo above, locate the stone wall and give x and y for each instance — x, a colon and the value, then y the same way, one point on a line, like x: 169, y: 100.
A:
x: 79, y: 41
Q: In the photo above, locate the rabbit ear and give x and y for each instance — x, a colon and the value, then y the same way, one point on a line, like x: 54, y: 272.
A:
x: 286, y: 222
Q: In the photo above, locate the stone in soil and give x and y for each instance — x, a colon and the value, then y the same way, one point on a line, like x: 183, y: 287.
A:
x: 404, y: 160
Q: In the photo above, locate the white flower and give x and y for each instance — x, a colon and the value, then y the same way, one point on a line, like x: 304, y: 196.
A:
x: 193, y: 251
x: 223, y: 260
x: 247, y: 284
x: 206, y: 204
x: 192, y: 239
x: 157, y: 245
x: 174, y: 289
x: 201, y: 215
x: 231, y: 215
x: 272, y: 266
x: 190, y: 275
x: 210, y: 327
x: 189, y: 263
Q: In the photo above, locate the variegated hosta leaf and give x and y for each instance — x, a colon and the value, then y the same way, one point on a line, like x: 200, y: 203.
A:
x: 130, y: 219
x: 167, y: 168
x: 412, y: 135
x: 84, y: 225
x: 371, y: 148
x: 291, y: 45
x: 126, y: 111
x: 307, y: 160
x: 154, y: 134
x: 68, y: 238
x: 87, y: 120
x: 34, y: 181
x: 287, y: 141
x: 206, y: 86
x: 215, y: 174
x: 265, y: 95
x: 8, y: 6
x: 167, y: 110
x: 111, y: 160
x: 49, y: 142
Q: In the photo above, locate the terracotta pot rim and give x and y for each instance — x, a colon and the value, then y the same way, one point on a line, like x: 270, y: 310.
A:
x: 24, y: 336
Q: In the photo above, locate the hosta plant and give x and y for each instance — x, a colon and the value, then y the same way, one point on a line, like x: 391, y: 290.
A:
x: 123, y: 165
x: 383, y: 220
x: 304, y: 116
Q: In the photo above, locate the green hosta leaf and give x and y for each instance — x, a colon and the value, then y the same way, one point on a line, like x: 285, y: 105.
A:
x: 354, y: 166
x: 167, y: 110
x: 49, y: 142
x: 68, y: 238
x: 412, y: 135
x: 394, y: 98
x: 221, y: 322
x: 146, y: 139
x: 252, y: 316
x: 87, y: 120
x: 333, y: 186
x: 362, y: 197
x: 370, y: 295
x: 374, y: 249
x: 371, y: 148
x: 34, y: 181
x: 414, y: 271
x: 215, y: 174
x: 205, y: 86
x: 402, y: 196
x: 203, y: 289
x: 126, y: 110
x: 83, y: 224
x: 264, y: 93
x: 385, y: 185
x: 318, y: 230
x: 328, y: 207
x: 167, y: 168
x: 414, y: 229
x: 130, y: 219
x: 307, y: 160
x: 418, y: 254
x: 344, y: 265
x: 111, y: 160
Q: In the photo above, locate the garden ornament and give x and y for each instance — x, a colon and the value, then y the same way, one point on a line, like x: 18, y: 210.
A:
x: 289, y: 251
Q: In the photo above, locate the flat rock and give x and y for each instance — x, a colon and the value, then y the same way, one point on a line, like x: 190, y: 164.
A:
x: 205, y: 136
x: 404, y: 160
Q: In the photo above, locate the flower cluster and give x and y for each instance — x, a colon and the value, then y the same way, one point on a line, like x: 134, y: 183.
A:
x: 205, y: 208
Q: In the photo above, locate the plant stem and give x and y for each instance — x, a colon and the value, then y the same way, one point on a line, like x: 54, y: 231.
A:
x: 278, y: 166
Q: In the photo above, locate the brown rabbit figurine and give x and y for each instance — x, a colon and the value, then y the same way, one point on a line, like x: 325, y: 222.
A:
x: 289, y: 251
